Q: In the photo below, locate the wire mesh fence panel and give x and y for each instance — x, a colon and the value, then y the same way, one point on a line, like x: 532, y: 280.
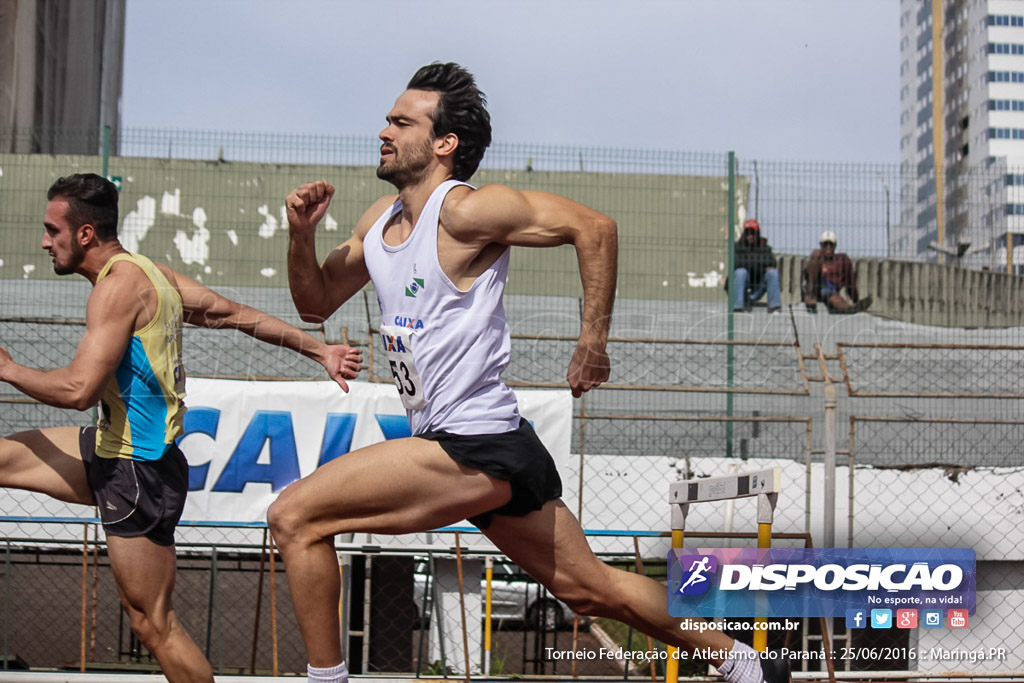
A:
x: 20, y: 414
x: 696, y: 390
x: 49, y: 343
x: 951, y: 482
x: 954, y: 482
x: 45, y: 587
x: 950, y: 371
x: 795, y: 202
x: 222, y: 599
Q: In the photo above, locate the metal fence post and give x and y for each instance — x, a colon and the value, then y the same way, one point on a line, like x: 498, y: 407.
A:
x: 211, y: 604
x: 7, y: 602
x: 730, y: 229
x: 85, y: 597
x: 830, y: 464
x: 829, y: 490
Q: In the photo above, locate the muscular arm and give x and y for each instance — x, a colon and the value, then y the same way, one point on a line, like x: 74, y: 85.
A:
x: 109, y: 325
x: 496, y: 213
x: 318, y: 290
x: 205, y: 308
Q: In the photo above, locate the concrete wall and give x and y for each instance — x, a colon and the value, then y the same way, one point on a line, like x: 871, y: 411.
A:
x: 926, y: 293
x: 223, y: 222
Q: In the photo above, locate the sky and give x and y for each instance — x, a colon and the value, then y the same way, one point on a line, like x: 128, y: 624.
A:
x: 788, y: 80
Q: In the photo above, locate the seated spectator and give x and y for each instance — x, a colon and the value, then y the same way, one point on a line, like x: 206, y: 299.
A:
x: 827, y: 275
x: 755, y: 273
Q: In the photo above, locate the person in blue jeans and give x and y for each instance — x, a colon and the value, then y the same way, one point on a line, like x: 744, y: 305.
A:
x: 756, y: 273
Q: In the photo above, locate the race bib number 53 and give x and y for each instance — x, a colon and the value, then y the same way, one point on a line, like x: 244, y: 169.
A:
x: 398, y: 343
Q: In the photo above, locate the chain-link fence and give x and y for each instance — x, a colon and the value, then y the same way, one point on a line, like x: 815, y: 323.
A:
x: 930, y: 457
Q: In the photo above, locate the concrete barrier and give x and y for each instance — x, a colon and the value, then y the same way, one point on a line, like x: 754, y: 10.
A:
x: 925, y: 293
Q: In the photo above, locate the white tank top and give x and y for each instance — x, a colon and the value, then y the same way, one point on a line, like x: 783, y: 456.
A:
x: 446, y: 348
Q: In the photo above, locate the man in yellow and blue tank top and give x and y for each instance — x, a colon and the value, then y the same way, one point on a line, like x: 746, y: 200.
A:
x: 129, y: 361
x: 142, y: 406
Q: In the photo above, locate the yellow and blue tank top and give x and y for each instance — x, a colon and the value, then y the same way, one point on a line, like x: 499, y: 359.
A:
x: 143, y: 404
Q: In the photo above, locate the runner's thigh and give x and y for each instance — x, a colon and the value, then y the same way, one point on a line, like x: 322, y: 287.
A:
x: 46, y: 461
x: 397, y: 486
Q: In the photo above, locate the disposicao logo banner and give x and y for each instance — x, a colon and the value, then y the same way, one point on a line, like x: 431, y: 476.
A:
x: 812, y: 582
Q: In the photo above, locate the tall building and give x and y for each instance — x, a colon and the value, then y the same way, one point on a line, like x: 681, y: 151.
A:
x: 962, y: 133
x: 60, y: 74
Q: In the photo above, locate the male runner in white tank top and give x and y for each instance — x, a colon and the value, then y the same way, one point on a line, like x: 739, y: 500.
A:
x: 437, y: 254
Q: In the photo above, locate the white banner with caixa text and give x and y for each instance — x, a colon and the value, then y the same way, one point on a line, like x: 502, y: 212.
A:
x: 245, y: 441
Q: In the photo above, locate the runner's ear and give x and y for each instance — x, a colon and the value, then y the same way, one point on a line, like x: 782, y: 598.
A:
x: 86, y: 235
x: 446, y: 145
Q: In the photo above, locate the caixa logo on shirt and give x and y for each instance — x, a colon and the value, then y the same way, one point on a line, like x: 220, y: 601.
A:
x: 409, y: 322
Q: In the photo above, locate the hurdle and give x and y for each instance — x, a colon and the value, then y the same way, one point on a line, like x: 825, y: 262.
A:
x: 765, y: 484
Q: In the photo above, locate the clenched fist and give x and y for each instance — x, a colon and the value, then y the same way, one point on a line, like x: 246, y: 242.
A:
x: 306, y: 206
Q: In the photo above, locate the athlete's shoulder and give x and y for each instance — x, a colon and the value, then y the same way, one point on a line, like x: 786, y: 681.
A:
x: 467, y: 194
x: 121, y: 292
x: 124, y: 269
x: 468, y: 205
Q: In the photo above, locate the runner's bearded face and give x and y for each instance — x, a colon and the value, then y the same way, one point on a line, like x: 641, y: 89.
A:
x: 407, y: 149
x: 403, y: 166
x: 59, y: 239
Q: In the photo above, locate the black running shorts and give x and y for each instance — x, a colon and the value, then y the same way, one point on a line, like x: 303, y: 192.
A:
x: 518, y: 457
x: 136, y: 497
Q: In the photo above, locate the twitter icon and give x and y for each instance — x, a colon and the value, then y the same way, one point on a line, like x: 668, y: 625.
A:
x: 881, y: 618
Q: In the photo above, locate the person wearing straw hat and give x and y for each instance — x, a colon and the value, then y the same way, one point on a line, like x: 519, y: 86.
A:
x: 827, y: 275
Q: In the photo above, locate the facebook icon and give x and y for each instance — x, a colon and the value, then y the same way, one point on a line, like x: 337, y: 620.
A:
x: 856, y: 618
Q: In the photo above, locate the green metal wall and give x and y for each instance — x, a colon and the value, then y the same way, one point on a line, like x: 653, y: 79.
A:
x: 222, y: 222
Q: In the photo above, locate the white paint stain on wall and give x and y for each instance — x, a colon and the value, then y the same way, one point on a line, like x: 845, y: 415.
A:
x: 268, y: 272
x: 270, y: 224
x: 137, y: 223
x: 170, y: 204
x: 233, y: 236
x: 194, y: 249
x: 199, y: 217
x: 28, y: 268
x: 330, y: 225
x: 712, y: 279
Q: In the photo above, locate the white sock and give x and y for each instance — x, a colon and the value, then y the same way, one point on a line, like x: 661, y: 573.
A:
x: 332, y: 674
x: 743, y: 665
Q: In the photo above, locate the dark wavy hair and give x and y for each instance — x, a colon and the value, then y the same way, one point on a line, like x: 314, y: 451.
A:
x: 461, y: 109
x: 92, y: 200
